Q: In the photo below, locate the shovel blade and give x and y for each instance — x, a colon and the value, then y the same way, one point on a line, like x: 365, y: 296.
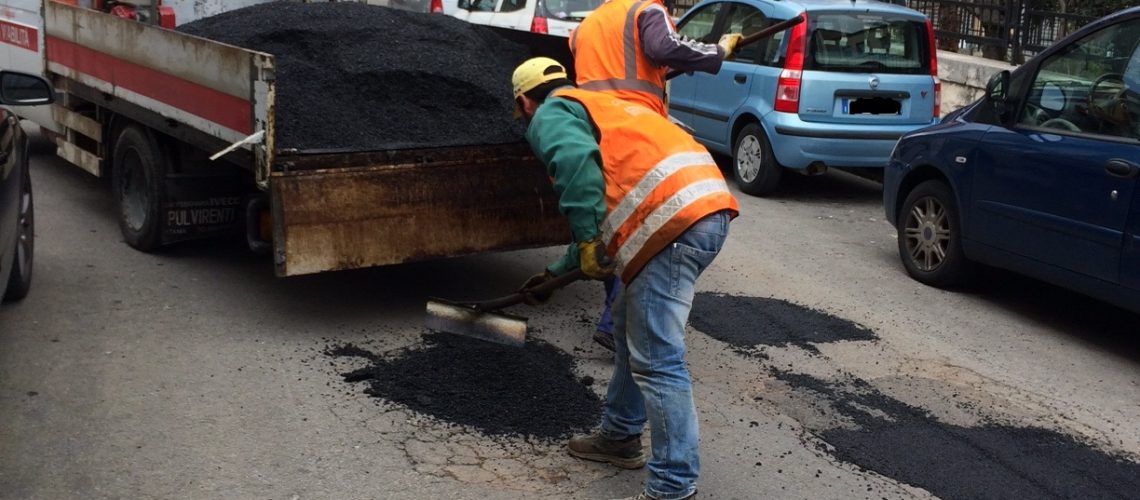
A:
x: 457, y: 319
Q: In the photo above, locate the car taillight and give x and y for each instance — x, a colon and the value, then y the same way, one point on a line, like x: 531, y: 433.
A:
x: 932, y: 41
x: 436, y: 6
x: 538, y: 25
x: 788, y: 86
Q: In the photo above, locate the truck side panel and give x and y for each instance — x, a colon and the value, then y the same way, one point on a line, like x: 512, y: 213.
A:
x: 203, y: 84
x: 361, y: 216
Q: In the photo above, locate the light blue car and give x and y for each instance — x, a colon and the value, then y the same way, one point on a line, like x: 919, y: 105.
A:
x: 835, y: 91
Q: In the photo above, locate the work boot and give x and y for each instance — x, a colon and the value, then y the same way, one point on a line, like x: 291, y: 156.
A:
x: 626, y: 454
x: 604, y: 339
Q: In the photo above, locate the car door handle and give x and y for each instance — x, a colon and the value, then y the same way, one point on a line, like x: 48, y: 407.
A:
x: 1121, y: 168
x: 740, y: 78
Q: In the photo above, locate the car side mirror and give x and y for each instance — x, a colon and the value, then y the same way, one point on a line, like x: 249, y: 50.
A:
x: 22, y: 89
x: 997, y: 93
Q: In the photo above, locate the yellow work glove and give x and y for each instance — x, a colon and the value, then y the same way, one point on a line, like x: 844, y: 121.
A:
x: 728, y: 43
x: 593, y: 260
x: 536, y: 299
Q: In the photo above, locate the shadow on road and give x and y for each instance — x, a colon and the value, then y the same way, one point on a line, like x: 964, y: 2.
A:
x: 834, y: 186
x: 1089, y: 320
x: 356, y: 292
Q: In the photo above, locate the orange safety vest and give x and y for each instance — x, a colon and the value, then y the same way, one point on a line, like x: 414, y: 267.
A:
x: 608, y: 55
x: 659, y: 181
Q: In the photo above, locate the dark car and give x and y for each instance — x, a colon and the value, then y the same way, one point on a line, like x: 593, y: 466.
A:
x: 17, y: 221
x: 1038, y: 177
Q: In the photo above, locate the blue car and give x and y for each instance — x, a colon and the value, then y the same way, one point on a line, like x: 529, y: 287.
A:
x: 1039, y: 176
x: 835, y: 91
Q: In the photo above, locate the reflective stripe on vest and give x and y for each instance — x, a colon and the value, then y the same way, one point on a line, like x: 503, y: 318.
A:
x: 635, y: 84
x: 663, y: 215
x: 624, y: 210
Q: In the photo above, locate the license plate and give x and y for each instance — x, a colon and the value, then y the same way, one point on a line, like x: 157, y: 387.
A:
x: 870, y: 106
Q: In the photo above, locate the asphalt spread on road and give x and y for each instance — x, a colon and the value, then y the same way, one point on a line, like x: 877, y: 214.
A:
x: 748, y: 322
x: 498, y: 390
x: 361, y: 77
x: 876, y: 432
x: 993, y: 460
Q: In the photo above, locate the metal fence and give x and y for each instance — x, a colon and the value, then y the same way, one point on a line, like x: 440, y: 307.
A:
x: 1006, y: 30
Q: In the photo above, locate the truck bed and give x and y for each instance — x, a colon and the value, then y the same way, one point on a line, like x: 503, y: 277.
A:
x: 330, y: 209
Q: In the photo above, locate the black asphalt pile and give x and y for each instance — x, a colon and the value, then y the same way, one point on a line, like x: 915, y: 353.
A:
x: 954, y: 462
x: 360, y: 77
x: 748, y: 322
x: 498, y: 390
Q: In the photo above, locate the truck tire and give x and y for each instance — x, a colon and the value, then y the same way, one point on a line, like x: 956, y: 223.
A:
x: 753, y: 162
x: 137, y: 182
x: 20, y: 279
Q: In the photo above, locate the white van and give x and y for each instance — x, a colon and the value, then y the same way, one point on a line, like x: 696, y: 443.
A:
x: 554, y: 17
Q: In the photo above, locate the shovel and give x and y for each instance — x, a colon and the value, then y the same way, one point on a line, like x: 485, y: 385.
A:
x: 755, y: 37
x: 484, y: 320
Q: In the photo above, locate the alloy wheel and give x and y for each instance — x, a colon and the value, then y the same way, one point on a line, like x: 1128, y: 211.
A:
x: 749, y: 158
x: 927, y: 233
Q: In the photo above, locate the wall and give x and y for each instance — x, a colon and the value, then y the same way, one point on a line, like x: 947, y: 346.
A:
x: 964, y: 78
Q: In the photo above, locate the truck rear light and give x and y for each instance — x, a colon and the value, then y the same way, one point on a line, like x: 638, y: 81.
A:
x: 932, y: 42
x: 437, y: 6
x: 788, y: 86
x: 538, y: 25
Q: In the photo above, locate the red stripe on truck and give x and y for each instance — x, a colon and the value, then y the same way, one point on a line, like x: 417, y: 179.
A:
x: 223, y: 109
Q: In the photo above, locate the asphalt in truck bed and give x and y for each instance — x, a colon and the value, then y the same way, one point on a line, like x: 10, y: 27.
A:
x: 360, y: 77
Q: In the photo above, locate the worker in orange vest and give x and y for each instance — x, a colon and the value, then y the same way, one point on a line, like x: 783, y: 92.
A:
x: 647, y: 202
x: 625, y: 47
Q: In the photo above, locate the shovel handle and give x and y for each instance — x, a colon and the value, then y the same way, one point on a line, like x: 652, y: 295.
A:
x: 517, y: 297
x: 753, y: 38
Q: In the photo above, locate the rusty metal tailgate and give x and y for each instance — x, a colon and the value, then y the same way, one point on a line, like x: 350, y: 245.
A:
x: 334, y: 211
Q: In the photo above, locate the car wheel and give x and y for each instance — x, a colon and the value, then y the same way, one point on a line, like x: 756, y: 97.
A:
x: 930, y: 236
x: 753, y: 163
x: 137, y: 182
x: 20, y: 279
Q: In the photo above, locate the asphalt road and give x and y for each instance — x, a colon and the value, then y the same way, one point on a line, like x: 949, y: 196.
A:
x: 195, y: 373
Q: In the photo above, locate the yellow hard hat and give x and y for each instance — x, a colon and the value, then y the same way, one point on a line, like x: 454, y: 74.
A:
x: 535, y: 72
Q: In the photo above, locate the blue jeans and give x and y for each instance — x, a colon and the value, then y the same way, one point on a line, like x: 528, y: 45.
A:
x: 650, y: 380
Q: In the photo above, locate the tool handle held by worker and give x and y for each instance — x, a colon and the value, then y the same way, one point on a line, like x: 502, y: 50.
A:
x: 543, y: 288
x: 755, y: 37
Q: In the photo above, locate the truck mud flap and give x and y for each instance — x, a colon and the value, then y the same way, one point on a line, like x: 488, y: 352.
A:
x: 203, y: 206
x: 354, y: 217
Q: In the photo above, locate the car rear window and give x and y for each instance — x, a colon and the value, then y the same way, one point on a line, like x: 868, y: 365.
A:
x: 861, y: 43
x: 569, y: 10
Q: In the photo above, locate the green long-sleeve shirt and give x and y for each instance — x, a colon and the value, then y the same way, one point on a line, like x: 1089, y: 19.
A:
x: 563, y: 137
